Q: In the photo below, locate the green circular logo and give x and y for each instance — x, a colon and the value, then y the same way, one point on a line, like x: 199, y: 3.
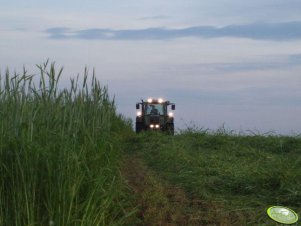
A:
x: 282, y: 215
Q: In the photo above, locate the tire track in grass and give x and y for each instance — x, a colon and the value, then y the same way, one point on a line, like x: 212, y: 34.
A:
x: 157, y: 203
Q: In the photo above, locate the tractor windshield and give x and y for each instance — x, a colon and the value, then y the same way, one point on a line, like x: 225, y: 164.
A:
x: 154, y: 109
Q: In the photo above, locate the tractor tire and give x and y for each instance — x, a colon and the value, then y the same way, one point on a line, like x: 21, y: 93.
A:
x: 170, y: 129
x: 139, y: 127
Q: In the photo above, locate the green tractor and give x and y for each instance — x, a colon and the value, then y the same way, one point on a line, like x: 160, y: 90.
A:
x: 154, y: 114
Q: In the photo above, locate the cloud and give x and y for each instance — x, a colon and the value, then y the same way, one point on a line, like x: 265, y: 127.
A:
x: 159, y: 17
x: 295, y: 58
x: 58, y: 32
x: 260, y: 31
x: 264, y: 63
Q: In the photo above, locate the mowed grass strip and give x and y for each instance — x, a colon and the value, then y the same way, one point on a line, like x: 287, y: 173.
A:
x: 241, y: 176
x: 156, y: 202
x: 59, y: 151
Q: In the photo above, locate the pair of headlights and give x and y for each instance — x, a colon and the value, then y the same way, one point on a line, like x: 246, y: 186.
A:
x: 154, y: 126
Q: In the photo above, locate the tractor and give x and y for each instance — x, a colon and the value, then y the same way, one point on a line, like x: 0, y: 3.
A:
x: 155, y: 114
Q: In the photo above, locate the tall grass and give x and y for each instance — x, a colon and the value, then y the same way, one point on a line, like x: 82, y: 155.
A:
x: 59, y: 151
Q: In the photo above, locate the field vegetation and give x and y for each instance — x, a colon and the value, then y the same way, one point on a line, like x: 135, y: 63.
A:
x: 68, y: 158
x: 59, y: 152
x: 229, y: 179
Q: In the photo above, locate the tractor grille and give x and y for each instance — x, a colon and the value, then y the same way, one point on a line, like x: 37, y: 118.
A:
x: 155, y: 119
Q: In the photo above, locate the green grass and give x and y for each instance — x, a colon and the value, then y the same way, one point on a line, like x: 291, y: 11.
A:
x: 238, y: 177
x: 59, y: 152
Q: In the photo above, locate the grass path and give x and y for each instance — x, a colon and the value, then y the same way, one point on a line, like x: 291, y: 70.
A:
x: 203, y: 179
x: 157, y: 203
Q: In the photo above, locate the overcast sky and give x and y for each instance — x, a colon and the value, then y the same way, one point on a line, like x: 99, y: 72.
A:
x: 228, y: 62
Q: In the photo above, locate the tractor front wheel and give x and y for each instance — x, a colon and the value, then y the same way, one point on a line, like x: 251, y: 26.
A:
x: 139, y: 127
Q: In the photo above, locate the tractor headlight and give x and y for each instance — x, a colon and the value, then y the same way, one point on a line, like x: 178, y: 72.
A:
x: 157, y: 126
x: 139, y: 113
x: 170, y: 114
x: 151, y: 126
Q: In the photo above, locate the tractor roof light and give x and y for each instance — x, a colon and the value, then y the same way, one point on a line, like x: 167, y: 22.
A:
x: 149, y: 100
x: 160, y: 100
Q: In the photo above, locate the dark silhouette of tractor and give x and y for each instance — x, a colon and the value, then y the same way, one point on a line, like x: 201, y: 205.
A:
x: 154, y: 114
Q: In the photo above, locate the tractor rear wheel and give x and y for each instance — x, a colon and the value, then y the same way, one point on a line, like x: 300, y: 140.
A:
x: 170, y: 129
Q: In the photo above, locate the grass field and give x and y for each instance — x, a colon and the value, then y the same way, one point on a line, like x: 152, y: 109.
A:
x: 68, y: 158
x: 232, y: 179
x: 59, y: 152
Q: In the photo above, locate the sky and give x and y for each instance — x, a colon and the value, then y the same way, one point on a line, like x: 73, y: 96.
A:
x: 225, y: 63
